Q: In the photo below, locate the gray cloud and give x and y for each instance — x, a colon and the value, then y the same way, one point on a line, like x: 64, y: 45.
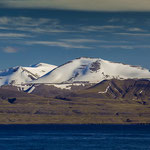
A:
x: 10, y: 50
x: 84, y: 5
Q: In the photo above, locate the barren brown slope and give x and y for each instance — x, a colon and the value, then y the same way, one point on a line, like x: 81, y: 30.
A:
x: 119, y: 89
x: 82, y: 107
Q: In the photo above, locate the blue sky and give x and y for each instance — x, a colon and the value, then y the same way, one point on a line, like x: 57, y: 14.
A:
x: 58, y: 34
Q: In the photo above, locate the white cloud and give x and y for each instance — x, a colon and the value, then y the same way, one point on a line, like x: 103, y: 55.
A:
x: 122, y: 20
x: 10, y: 50
x: 4, y: 20
x: 57, y: 43
x: 36, y: 25
x: 44, y: 29
x: 100, y: 28
x: 3, y: 28
x: 114, y: 20
x: 13, y: 35
x: 135, y: 29
x: 27, y: 21
x: 84, y: 5
x: 81, y: 40
x: 134, y: 34
x: 117, y: 46
x: 125, y: 46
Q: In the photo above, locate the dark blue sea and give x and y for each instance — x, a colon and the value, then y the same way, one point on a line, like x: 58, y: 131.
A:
x: 75, y: 137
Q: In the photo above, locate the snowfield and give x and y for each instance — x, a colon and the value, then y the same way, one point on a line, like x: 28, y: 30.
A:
x: 92, y: 70
x: 81, y: 70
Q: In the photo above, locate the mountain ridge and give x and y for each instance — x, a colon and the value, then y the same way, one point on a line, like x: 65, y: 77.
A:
x: 92, y: 70
x: 80, y: 70
x: 18, y: 75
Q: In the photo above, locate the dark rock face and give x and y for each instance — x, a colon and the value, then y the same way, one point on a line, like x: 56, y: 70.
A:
x: 95, y: 66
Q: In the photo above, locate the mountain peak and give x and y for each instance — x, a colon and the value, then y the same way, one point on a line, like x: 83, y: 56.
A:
x: 87, y: 58
x: 18, y: 75
x: 40, y: 65
x: 93, y: 70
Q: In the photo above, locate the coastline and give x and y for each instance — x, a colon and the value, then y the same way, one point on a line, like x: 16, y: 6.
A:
x: 40, y: 120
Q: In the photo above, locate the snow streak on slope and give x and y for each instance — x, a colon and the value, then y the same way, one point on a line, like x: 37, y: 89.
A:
x: 20, y: 75
x: 92, y: 70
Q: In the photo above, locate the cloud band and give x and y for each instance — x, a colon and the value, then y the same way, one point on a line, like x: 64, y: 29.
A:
x: 82, y: 5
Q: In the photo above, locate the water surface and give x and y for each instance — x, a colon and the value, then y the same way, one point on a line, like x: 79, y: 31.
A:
x: 74, y: 137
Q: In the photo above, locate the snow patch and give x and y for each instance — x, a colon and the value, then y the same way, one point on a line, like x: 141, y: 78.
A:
x: 66, y: 86
x: 141, y: 91
x: 62, y: 86
x: 105, y: 90
x: 31, y: 89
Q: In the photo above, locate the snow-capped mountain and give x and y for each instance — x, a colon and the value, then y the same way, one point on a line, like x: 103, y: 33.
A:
x: 40, y: 69
x: 81, y: 70
x: 19, y: 75
x: 92, y: 70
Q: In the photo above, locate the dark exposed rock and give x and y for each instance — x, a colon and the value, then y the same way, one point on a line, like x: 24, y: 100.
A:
x: 95, y: 66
